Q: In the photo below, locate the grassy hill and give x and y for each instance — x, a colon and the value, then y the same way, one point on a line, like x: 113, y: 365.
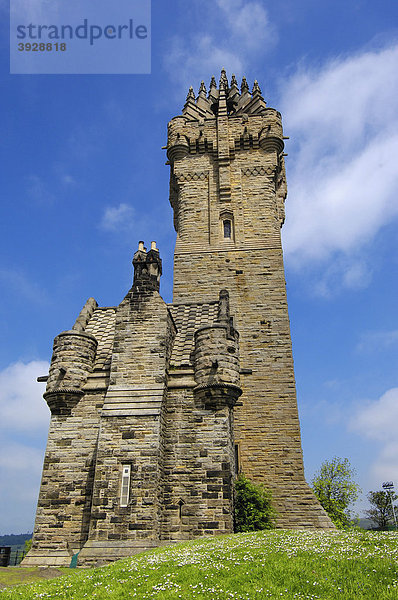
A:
x: 271, y: 564
x: 15, y: 540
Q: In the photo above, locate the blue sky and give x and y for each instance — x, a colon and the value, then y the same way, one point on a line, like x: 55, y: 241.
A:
x: 83, y: 179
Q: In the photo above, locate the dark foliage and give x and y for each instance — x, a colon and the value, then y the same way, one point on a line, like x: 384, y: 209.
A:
x: 253, y: 506
x: 13, y: 539
x: 381, y: 512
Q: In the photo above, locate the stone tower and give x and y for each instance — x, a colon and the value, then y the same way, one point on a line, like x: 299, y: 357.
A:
x: 227, y: 189
x: 155, y: 407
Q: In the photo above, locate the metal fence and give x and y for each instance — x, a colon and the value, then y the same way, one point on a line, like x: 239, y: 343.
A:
x: 16, y: 556
x: 9, y: 557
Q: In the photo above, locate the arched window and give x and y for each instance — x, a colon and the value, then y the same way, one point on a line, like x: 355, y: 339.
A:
x: 227, y: 231
x: 227, y: 228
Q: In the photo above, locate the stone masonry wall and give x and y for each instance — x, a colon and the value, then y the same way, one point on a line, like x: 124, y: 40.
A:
x: 198, y: 468
x: 63, y: 512
x: 131, y: 430
x: 64, y: 506
x: 249, y: 265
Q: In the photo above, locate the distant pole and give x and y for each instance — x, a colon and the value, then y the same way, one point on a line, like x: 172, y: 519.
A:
x: 389, y: 487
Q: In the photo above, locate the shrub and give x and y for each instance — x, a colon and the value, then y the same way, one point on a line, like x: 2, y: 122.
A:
x: 335, y: 488
x: 253, y: 506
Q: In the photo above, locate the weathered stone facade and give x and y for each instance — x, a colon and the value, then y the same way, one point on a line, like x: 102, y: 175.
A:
x: 154, y: 406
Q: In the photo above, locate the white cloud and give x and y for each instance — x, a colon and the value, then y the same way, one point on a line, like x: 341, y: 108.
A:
x: 20, y: 457
x: 233, y: 32
x: 22, y: 407
x: 374, y: 341
x: 116, y: 218
x: 347, y: 272
x: 248, y: 22
x: 343, y: 180
x: 25, y: 416
x: 186, y: 68
x: 20, y: 470
x: 377, y: 421
x: 19, y: 283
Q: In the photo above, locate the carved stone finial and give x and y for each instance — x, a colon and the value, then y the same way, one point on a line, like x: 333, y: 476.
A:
x: 256, y: 88
x: 233, y: 96
x: 213, y: 83
x: 244, y: 86
x: 190, y: 108
x: 190, y: 95
x: 202, y: 89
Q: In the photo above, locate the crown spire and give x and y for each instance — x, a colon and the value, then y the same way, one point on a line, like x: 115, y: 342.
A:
x: 224, y: 99
x: 224, y: 79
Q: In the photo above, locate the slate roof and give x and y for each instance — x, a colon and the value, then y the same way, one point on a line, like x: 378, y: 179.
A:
x: 102, y: 327
x: 187, y: 317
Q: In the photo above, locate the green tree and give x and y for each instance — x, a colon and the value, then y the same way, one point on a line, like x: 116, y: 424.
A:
x: 28, y: 545
x: 335, y: 488
x: 253, y: 506
x: 381, y: 511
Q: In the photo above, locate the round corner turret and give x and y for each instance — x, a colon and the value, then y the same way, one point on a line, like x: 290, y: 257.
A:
x: 72, y: 361
x: 216, y: 365
x: 177, y: 141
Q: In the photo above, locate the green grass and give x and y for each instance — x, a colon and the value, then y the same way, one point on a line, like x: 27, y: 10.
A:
x: 247, y: 566
x: 10, y: 576
x: 14, y: 575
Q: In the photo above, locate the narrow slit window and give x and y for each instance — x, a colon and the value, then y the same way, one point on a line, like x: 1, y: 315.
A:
x: 125, y: 485
x: 237, y: 461
x: 180, y: 505
x: 227, y: 228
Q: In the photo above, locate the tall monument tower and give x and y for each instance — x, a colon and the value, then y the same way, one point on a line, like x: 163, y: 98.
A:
x: 155, y: 407
x: 227, y: 189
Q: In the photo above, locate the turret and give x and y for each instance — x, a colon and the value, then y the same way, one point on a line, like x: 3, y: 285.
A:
x: 216, y: 360
x: 72, y: 361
